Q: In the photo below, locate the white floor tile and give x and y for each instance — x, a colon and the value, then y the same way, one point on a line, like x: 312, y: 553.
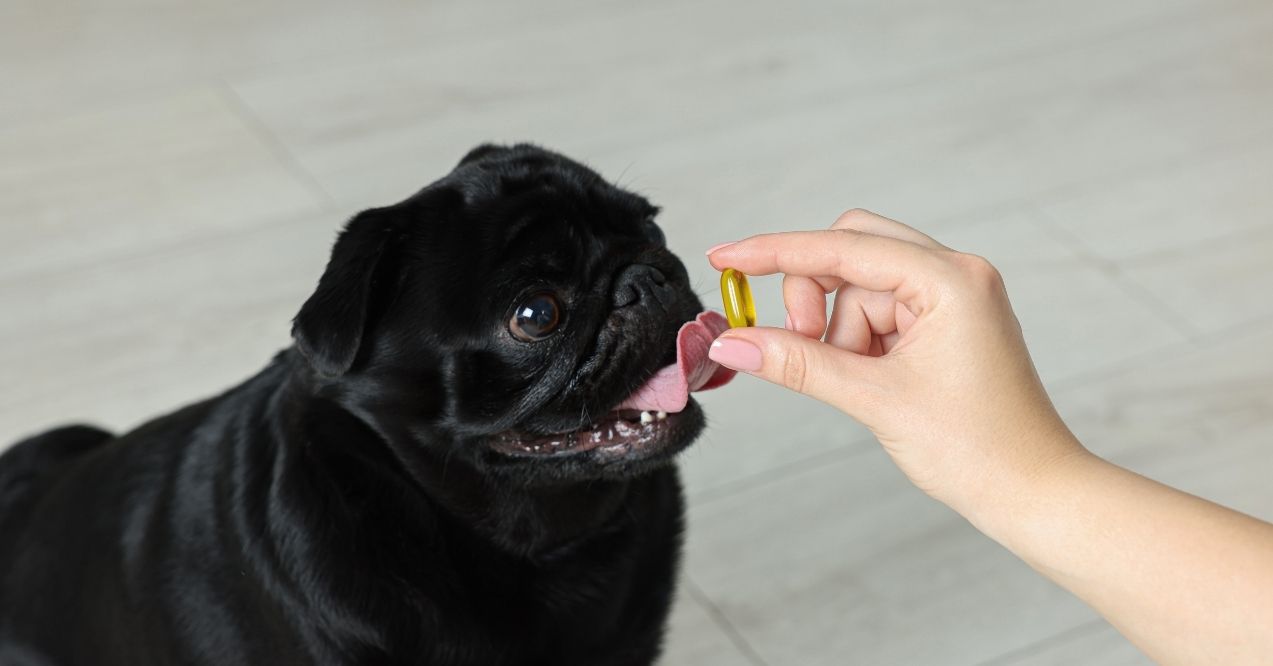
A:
x: 1181, y: 207
x: 66, y: 55
x: 123, y: 180
x: 824, y: 115
x: 125, y: 342
x: 1216, y: 286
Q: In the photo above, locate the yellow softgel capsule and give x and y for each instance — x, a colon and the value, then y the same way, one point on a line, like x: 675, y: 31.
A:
x: 739, y: 308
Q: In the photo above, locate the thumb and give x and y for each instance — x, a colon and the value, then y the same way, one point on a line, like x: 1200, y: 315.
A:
x: 835, y: 376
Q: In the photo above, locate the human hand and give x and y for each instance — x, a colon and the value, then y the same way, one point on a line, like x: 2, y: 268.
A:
x: 922, y: 347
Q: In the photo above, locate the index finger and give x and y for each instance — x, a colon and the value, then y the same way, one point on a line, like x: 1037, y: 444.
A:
x: 876, y: 263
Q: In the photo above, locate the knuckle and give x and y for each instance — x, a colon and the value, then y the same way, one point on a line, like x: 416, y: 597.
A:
x: 795, y: 370
x: 851, y: 217
x: 979, y: 270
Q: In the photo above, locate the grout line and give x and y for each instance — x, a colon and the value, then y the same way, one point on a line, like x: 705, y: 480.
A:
x: 1098, y: 36
x: 723, y: 623
x: 1225, y: 336
x: 1132, y: 288
x: 1259, y: 137
x: 1039, y: 200
x: 272, y: 143
x: 174, y: 248
x: 1058, y: 638
x: 1222, y: 241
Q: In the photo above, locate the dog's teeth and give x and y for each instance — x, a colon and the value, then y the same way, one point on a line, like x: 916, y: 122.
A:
x: 647, y: 417
x: 661, y: 415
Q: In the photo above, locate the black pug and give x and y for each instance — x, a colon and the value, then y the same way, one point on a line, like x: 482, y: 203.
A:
x: 465, y: 458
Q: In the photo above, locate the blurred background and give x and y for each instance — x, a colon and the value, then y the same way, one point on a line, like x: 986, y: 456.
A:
x: 172, y: 175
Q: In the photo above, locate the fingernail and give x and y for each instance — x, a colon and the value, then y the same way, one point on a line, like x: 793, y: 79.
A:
x: 736, y: 354
x: 789, y: 326
x: 714, y: 248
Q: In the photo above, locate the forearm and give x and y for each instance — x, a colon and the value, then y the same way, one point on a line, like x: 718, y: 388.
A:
x: 1186, y: 580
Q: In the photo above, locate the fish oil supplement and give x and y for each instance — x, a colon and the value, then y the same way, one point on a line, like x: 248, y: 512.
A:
x: 739, y: 309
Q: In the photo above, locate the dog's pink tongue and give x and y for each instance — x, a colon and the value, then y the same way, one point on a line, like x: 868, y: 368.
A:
x: 669, y: 389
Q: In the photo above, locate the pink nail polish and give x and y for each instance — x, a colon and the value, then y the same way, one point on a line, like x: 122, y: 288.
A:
x: 736, y: 354
x: 714, y: 248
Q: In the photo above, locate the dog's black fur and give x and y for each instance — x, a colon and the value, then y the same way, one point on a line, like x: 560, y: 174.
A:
x: 349, y: 504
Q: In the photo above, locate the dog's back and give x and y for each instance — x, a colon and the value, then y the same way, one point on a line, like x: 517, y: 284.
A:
x: 86, y: 548
x: 35, y: 458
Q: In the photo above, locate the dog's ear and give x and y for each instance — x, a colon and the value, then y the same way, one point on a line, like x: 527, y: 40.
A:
x: 481, y: 152
x: 493, y: 150
x: 329, y: 327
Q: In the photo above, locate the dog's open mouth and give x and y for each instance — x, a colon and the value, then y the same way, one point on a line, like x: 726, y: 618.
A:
x: 651, y: 413
x: 620, y: 429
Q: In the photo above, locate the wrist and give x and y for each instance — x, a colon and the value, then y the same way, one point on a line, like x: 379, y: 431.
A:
x: 1015, y: 497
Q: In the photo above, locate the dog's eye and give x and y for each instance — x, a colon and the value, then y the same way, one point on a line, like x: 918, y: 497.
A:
x: 535, y: 318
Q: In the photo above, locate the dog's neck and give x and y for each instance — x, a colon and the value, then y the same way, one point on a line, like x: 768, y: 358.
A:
x: 525, y: 521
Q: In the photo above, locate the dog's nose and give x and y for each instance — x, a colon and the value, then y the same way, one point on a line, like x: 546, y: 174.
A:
x: 636, y: 282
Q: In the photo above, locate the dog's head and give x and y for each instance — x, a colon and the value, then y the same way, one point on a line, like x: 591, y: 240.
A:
x: 520, y: 314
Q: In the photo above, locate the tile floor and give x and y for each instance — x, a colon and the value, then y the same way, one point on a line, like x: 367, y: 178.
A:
x: 171, y: 175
